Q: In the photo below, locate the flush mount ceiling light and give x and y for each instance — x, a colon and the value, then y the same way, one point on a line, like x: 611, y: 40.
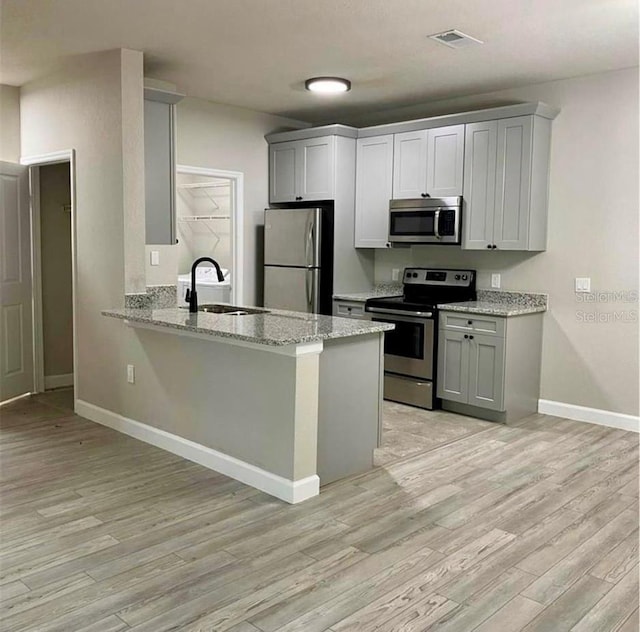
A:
x: 455, y: 39
x: 327, y: 85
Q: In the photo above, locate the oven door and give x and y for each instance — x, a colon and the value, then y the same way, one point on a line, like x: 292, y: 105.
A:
x: 408, y: 349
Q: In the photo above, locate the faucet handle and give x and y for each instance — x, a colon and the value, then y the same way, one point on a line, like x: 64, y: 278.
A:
x: 187, y: 296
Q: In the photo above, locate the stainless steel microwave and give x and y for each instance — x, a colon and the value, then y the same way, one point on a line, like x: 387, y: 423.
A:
x: 425, y: 221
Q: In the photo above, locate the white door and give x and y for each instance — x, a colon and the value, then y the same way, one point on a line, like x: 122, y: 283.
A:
x: 16, y: 319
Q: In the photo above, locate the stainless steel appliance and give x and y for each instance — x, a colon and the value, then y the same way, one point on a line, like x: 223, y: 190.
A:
x: 410, y: 350
x: 298, y: 259
x: 425, y: 221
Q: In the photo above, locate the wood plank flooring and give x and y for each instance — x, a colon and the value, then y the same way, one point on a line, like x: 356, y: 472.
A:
x: 464, y: 526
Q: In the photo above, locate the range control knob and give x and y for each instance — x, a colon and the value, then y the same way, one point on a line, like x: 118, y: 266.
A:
x: 457, y: 277
x: 415, y: 275
x: 465, y: 277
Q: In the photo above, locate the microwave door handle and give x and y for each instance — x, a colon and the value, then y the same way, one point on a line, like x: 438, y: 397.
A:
x: 436, y: 224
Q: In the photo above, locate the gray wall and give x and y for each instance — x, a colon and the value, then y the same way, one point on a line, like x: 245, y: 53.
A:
x: 9, y: 123
x: 593, y: 232
x: 218, y: 136
x: 81, y: 107
x: 55, y: 239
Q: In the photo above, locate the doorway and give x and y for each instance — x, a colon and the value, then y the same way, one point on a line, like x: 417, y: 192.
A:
x: 56, y: 199
x: 52, y: 272
x: 38, y: 296
x: 209, y: 218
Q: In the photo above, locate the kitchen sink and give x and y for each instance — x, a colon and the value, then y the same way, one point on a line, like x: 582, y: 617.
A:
x: 230, y: 310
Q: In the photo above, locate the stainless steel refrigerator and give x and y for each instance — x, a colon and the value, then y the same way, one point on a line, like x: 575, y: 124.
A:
x: 298, y: 259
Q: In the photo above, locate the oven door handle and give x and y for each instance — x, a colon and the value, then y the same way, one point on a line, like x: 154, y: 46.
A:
x: 395, y: 312
x: 436, y: 224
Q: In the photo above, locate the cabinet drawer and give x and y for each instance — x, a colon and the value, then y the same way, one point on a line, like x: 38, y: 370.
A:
x: 348, y: 310
x: 478, y: 323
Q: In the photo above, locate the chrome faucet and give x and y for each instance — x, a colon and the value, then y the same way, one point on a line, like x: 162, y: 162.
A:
x: 192, y: 295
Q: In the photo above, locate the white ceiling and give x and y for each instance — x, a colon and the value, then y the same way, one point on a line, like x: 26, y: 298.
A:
x: 257, y: 53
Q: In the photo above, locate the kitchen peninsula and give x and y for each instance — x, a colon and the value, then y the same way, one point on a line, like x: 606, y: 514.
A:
x: 282, y: 401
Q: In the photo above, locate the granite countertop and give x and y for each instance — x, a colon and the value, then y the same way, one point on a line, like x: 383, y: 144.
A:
x: 275, y: 328
x: 385, y: 289
x: 501, y: 303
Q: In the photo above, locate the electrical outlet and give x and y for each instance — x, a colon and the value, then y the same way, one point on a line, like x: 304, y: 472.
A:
x: 155, y: 257
x: 495, y: 281
x: 583, y: 284
x: 131, y: 374
x: 395, y: 274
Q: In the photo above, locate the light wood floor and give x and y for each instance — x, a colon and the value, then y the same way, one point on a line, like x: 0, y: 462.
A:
x: 466, y: 526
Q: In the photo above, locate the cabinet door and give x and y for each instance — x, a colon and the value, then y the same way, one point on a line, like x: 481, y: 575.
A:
x: 283, y: 166
x: 453, y: 366
x: 486, y: 372
x: 374, y: 175
x: 445, y: 159
x: 479, y: 190
x: 410, y: 165
x: 317, y: 169
x: 513, y: 182
x: 159, y: 172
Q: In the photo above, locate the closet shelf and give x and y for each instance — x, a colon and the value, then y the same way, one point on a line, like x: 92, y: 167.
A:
x: 204, y: 185
x: 200, y: 218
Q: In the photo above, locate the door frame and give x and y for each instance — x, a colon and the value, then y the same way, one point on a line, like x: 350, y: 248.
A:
x: 237, y: 222
x: 34, y: 163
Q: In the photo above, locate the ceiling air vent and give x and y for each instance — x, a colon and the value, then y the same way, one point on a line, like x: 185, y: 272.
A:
x: 455, y: 39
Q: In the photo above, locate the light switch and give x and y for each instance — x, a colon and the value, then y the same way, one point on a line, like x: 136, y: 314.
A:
x: 155, y: 257
x: 495, y: 281
x: 131, y: 374
x: 583, y: 284
x: 395, y: 274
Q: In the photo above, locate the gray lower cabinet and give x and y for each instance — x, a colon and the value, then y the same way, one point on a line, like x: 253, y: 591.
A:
x: 348, y: 309
x: 488, y: 366
x: 453, y: 366
x: 486, y: 371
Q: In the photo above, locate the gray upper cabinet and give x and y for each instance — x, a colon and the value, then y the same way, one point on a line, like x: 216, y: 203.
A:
x: 302, y: 170
x: 283, y: 163
x: 479, y: 192
x: 160, y: 166
x: 506, y: 184
x: 428, y: 163
x: 374, y: 169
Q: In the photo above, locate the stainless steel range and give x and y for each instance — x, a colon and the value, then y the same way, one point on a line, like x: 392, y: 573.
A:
x: 410, y: 350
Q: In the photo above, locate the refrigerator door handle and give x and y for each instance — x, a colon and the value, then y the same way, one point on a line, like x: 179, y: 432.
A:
x: 309, y: 289
x: 309, y: 242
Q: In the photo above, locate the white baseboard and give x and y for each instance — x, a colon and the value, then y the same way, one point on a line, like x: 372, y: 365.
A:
x: 58, y: 381
x: 278, y: 486
x: 591, y: 415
